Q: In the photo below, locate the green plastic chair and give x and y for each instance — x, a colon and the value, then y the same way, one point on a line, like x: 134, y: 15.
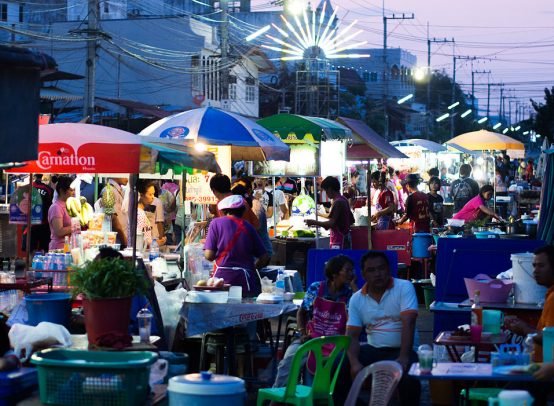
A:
x: 479, y: 396
x: 325, y: 378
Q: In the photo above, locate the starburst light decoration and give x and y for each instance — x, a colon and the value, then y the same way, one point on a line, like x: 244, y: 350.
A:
x: 310, y: 36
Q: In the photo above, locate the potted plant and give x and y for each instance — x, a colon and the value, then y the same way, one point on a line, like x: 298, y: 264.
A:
x: 107, y: 286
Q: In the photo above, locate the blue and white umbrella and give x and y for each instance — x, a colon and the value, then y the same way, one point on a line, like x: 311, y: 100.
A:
x: 248, y: 140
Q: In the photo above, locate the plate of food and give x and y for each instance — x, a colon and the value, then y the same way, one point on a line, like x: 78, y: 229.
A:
x: 516, y: 369
x: 211, y: 284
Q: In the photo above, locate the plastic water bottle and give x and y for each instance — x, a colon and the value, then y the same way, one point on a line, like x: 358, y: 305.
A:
x: 529, y: 348
x: 280, y: 283
x: 154, y: 250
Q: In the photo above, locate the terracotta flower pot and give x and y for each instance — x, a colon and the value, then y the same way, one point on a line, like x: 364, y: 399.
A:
x: 105, y: 316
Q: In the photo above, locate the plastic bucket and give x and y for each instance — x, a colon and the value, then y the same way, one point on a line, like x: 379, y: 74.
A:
x: 51, y: 307
x: 206, y: 389
x: 420, y: 245
x: 428, y: 295
x: 526, y: 290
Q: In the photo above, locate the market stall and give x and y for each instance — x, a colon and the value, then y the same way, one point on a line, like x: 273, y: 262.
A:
x: 368, y: 145
x: 88, y: 148
x: 230, y: 137
x: 422, y: 155
x: 313, y: 140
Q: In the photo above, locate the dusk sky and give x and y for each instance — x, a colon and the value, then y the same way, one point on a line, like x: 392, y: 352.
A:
x: 512, y: 39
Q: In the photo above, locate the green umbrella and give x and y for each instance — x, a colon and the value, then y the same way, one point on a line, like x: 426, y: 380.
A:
x: 293, y: 128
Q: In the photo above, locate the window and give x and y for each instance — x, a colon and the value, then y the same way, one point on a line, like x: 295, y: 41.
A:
x: 373, y: 76
x: 250, y: 81
x: 3, y: 12
x: 365, y: 76
x: 250, y: 94
x: 233, y: 91
x: 21, y: 13
x: 106, y: 6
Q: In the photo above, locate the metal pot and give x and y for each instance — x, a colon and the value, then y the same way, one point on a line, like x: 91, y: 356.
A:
x: 530, y: 228
x: 511, y: 228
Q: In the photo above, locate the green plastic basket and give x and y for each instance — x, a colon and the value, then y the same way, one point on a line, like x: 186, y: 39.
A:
x: 73, y: 377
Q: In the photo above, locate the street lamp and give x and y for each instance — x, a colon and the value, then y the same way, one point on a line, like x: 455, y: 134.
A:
x: 465, y: 113
x: 420, y: 74
x: 497, y: 125
x: 440, y: 118
x: 453, y: 105
x: 505, y: 130
x: 405, y: 98
x: 482, y: 120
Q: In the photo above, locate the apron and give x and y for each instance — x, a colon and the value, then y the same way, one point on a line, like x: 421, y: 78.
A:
x: 234, y: 275
x: 328, y: 319
x: 384, y: 222
x: 337, y: 238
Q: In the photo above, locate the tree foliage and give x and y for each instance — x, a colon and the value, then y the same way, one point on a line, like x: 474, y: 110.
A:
x: 544, y: 119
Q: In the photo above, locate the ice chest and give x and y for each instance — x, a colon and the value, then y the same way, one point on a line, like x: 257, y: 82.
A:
x: 492, y: 290
x: 206, y: 389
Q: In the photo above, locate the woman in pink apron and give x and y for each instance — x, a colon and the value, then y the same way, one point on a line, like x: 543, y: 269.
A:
x: 340, y: 217
x: 235, y: 247
x: 323, y: 311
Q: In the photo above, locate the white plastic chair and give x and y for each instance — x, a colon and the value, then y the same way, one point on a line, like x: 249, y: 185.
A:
x: 385, y: 378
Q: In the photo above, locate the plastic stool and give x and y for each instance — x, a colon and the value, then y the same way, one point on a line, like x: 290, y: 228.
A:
x: 216, y: 343
x: 425, y: 265
x: 479, y: 395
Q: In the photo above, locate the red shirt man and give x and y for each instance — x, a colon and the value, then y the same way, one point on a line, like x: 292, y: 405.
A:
x: 417, y: 207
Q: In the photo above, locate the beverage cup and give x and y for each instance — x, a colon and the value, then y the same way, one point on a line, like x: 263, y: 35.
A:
x: 140, y: 242
x: 476, y: 331
x: 425, y: 361
x: 492, y: 321
x: 425, y: 356
x: 235, y: 293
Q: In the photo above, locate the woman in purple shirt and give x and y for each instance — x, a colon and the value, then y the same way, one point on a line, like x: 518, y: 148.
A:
x: 58, y: 218
x: 235, y: 247
x: 477, y: 208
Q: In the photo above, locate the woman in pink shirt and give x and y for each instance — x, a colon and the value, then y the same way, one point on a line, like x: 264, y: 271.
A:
x: 477, y: 208
x: 58, y: 218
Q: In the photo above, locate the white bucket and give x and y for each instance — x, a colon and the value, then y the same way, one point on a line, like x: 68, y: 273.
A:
x: 527, y: 290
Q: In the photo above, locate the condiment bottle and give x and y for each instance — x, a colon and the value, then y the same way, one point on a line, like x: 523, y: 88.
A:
x: 476, y: 309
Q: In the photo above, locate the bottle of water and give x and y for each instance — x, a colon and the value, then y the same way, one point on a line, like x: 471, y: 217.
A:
x: 528, y: 348
x: 154, y: 250
x: 280, y: 283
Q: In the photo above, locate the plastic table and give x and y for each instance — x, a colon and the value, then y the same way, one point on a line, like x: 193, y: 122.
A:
x: 466, y: 372
x: 201, y: 318
x: 452, y: 342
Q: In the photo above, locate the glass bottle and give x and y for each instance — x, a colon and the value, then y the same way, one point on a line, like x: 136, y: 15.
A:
x: 476, y: 309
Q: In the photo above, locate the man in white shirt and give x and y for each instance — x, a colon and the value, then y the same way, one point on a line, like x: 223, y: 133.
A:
x: 387, y: 308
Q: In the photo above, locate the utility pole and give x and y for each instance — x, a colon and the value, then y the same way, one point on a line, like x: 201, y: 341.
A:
x: 224, y: 72
x: 385, y: 65
x: 92, y: 43
x: 473, y: 72
x: 429, y: 41
x: 501, y: 106
x: 489, y: 85
x: 453, y: 97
